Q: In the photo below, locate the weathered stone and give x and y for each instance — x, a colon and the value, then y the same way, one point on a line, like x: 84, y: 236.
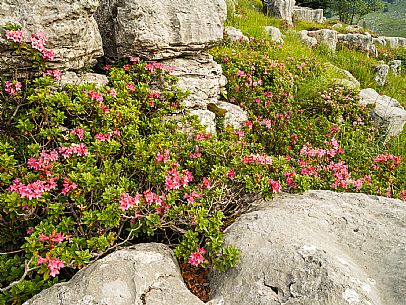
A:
x: 328, y: 37
x: 70, y: 28
x: 381, y: 72
x: 309, y: 14
x: 395, y: 42
x: 387, y: 113
x: 235, y: 34
x: 321, y: 248
x: 354, y: 28
x: 363, y: 41
x: 306, y: 39
x: 206, y: 118
x: 201, y: 76
x: 396, y: 66
x: 274, y: 33
x: 160, y: 29
x: 146, y: 274
x: 234, y: 116
x: 379, y: 40
x: 337, y: 26
x: 345, y: 78
x: 282, y: 9
x: 80, y: 79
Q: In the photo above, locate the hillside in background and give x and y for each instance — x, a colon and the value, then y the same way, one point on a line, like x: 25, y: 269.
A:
x: 389, y: 22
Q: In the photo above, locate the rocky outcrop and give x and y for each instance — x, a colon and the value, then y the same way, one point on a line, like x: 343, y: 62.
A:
x: 344, y: 77
x: 387, y: 113
x: 201, y: 76
x: 146, y: 274
x: 363, y: 41
x: 234, y: 115
x: 321, y: 248
x: 328, y: 37
x: 160, y: 29
x: 306, y: 39
x: 309, y: 14
x: 76, y: 79
x: 206, y: 118
x: 396, y: 66
x: 381, y: 72
x: 395, y: 42
x: 71, y: 30
x: 282, y: 9
x: 274, y: 33
x: 235, y: 34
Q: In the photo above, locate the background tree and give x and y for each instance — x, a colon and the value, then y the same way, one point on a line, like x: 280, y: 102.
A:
x: 313, y: 3
x: 350, y: 11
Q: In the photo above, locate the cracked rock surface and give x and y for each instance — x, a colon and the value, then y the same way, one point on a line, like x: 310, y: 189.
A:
x: 320, y: 248
x: 146, y: 274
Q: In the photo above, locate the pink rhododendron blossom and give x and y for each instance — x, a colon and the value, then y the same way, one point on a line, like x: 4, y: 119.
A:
x: 231, y: 174
x: 95, y: 96
x: 41, y: 260
x: 196, y: 258
x: 107, y: 67
x: 134, y: 59
x: 275, y: 185
x: 54, y: 266
x: 195, y: 155
x: 55, y: 74
x: 68, y: 186
x: 393, y: 161
x: 74, y: 149
x: 403, y: 195
x: 57, y: 237
x: 130, y: 87
x: 157, y: 66
x: 30, y: 230
x: 16, y: 36
x: 192, y: 197
x: 42, y: 237
x: 203, y: 136
x: 79, y: 132
x: 104, y: 108
x: 127, y: 201
x: 260, y: 159
x: 162, y: 158
x: 48, y: 54
x: 206, y: 183
x: 12, y: 87
x: 112, y: 92
x: 126, y: 67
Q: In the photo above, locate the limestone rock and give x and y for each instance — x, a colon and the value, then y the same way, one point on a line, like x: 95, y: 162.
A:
x: 363, y: 41
x: 160, y: 29
x: 321, y: 248
x: 235, y: 34
x: 274, y: 33
x: 328, y: 37
x: 395, y: 42
x: 201, y: 76
x: 387, y: 113
x: 206, y: 118
x: 381, y: 72
x: 80, y: 79
x: 306, y: 39
x: 282, y: 9
x: 354, y: 28
x: 379, y: 41
x: 70, y: 28
x: 396, y: 66
x: 309, y: 14
x: 146, y: 274
x: 234, y: 116
x: 345, y: 77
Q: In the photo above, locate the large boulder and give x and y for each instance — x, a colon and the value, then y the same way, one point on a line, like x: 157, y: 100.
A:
x: 235, y: 34
x: 71, y: 30
x: 395, y: 42
x: 363, y: 41
x: 325, y: 36
x: 160, y: 29
x: 282, y: 9
x: 274, y: 33
x: 306, y: 39
x: 201, y: 76
x: 381, y: 72
x: 309, y: 14
x: 387, y: 112
x: 321, y: 248
x: 146, y: 274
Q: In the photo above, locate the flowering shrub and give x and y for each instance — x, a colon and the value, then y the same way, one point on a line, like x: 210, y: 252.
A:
x: 85, y: 170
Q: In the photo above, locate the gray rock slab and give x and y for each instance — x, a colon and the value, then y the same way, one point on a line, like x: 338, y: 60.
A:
x: 320, y: 248
x: 146, y: 274
x: 71, y: 30
x: 160, y: 29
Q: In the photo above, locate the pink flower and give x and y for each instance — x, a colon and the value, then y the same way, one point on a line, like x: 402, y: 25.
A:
x: 12, y: 87
x: 68, y: 186
x: 130, y: 87
x: 79, y: 132
x: 48, y: 54
x: 195, y: 156
x: 403, y: 195
x: 104, y: 108
x: 126, y: 201
x: 57, y: 238
x: 192, y: 196
x: 41, y: 260
x: 30, y: 230
x: 107, y: 67
x: 275, y: 185
x: 54, y: 266
x: 55, y: 74
x: 134, y: 59
x: 42, y: 237
x: 206, y: 183
x: 231, y: 174
x: 196, y: 258
x: 95, y: 96
x: 16, y: 36
x: 162, y: 158
x: 126, y: 67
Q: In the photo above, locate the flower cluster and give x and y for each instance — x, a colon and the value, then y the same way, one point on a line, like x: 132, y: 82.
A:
x: 105, y: 137
x: 263, y: 159
x: 32, y: 190
x: 157, y: 66
x: 196, y: 258
x: 12, y: 87
x: 174, y: 180
x: 54, y: 265
x: 16, y: 36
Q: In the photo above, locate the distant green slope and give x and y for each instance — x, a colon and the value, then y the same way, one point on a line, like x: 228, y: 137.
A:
x: 390, y: 23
